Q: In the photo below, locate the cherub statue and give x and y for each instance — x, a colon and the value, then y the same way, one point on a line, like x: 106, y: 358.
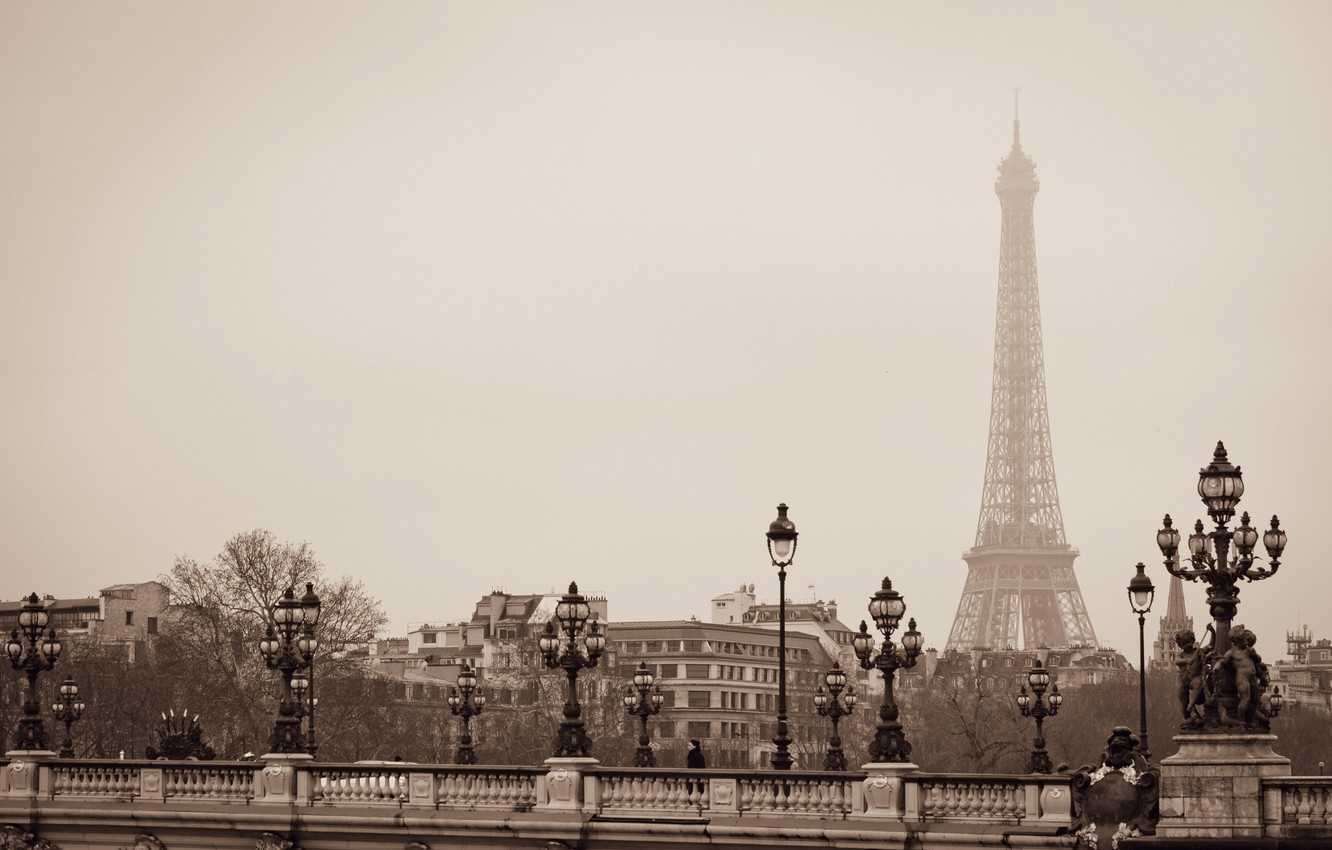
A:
x: 1245, y: 668
x: 1193, y: 667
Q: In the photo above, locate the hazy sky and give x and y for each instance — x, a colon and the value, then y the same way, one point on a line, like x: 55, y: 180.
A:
x: 518, y: 293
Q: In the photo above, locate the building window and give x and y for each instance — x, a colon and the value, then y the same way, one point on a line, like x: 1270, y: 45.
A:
x: 700, y: 699
x: 129, y: 618
x: 700, y: 729
x: 693, y: 646
x: 152, y: 625
x: 696, y: 671
x: 428, y: 637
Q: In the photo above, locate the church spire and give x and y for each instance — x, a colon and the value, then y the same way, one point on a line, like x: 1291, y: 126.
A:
x: 1164, y: 649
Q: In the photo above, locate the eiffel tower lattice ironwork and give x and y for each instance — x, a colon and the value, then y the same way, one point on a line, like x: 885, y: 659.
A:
x: 1020, y: 571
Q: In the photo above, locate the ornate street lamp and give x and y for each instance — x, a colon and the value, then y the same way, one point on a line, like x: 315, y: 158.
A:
x: 466, y: 702
x: 781, y: 549
x: 561, y: 649
x: 834, y: 706
x: 1220, y: 485
x: 310, y: 606
x: 28, y: 652
x: 1141, y: 593
x: 887, y: 607
x: 289, y: 646
x: 67, y: 710
x: 1039, y: 707
x: 644, y: 700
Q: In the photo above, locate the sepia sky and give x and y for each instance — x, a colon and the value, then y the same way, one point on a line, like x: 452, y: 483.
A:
x: 513, y: 294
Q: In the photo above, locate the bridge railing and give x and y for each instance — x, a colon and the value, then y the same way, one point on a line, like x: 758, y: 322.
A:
x: 1297, y: 806
x: 589, y: 788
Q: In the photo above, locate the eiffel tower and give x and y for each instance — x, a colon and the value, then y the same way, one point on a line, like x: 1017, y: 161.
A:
x: 1020, y: 571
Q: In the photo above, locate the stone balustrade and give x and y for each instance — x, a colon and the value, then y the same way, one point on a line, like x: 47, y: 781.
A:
x: 1297, y: 806
x: 75, y: 803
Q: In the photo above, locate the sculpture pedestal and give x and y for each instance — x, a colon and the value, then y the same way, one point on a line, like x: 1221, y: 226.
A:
x: 883, y: 792
x: 1212, y: 787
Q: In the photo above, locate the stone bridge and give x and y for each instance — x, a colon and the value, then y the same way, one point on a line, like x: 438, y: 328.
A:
x: 573, y: 803
x: 566, y: 803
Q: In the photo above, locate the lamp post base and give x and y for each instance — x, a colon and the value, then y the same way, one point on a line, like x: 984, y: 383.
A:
x: 287, y: 737
x: 1039, y: 760
x: 572, y: 741
x: 31, y: 734
x: 835, y: 759
x: 890, y: 743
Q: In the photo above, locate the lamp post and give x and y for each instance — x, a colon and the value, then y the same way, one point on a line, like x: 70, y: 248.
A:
x: 1036, y: 705
x: 644, y: 700
x: 310, y: 606
x: 1141, y: 593
x: 1220, y: 486
x: 466, y: 702
x: 887, y: 607
x: 781, y: 549
x: 29, y: 652
x: 289, y: 646
x: 67, y: 710
x: 834, y: 706
x: 562, y: 650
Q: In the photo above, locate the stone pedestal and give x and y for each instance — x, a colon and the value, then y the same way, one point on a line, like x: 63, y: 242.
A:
x: 1212, y: 787
x: 883, y: 793
x: 19, y: 778
x: 276, y: 781
x: 562, y: 786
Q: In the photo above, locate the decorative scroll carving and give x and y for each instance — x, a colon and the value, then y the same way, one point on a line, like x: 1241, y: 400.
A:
x: 13, y: 838
x: 273, y: 841
x: 147, y: 841
x: 1117, y: 799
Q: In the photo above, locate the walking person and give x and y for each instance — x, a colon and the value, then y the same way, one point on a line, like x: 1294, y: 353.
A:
x: 695, y: 758
x: 695, y: 761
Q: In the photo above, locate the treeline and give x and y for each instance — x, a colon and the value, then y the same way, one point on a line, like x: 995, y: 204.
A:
x: 206, y: 661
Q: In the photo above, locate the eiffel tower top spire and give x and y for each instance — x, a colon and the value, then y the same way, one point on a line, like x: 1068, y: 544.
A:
x: 1017, y: 130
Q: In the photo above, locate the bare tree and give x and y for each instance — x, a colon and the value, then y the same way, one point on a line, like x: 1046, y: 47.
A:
x: 221, y: 609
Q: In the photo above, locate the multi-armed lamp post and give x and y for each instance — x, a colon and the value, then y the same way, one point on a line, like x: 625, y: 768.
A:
x: 31, y: 652
x: 781, y: 549
x: 289, y: 647
x: 1220, y: 485
x: 643, y: 700
x: 835, y: 706
x: 1141, y: 593
x: 310, y: 605
x: 887, y: 607
x: 68, y: 709
x: 466, y: 702
x: 562, y: 650
x: 1038, y: 706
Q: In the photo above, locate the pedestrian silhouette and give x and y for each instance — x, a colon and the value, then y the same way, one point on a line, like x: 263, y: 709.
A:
x: 695, y: 757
